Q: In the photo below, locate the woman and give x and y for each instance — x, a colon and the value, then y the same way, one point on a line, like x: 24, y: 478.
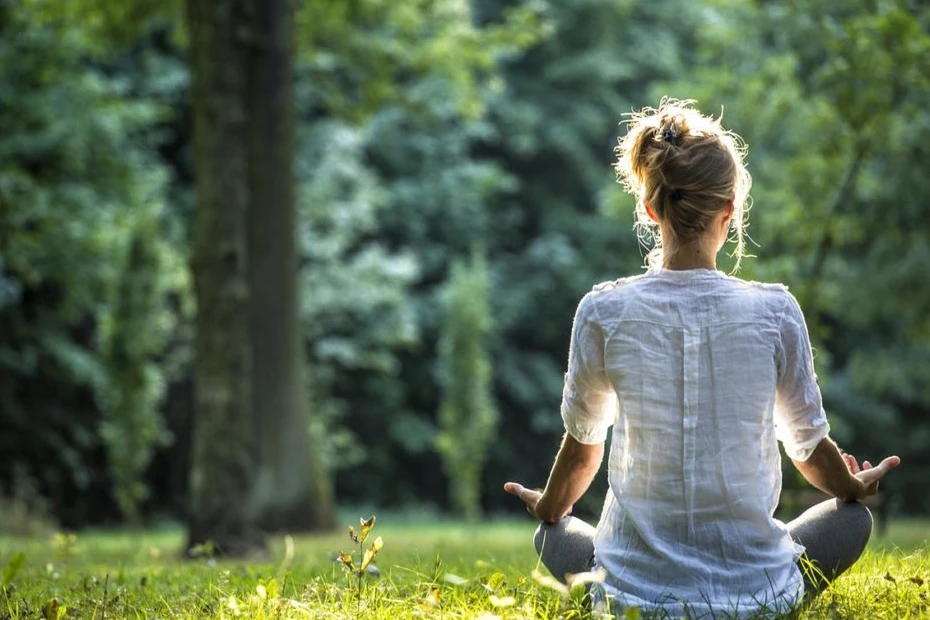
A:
x: 701, y: 375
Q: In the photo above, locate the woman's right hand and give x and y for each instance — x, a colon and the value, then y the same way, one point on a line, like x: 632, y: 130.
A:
x: 530, y: 497
x: 535, y: 502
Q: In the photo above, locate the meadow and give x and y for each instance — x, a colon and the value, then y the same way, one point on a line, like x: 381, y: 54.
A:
x: 426, y: 569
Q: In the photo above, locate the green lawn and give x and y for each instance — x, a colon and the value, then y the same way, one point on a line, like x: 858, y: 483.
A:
x: 431, y: 569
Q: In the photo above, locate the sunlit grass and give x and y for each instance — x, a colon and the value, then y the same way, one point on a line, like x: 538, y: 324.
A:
x: 428, y: 569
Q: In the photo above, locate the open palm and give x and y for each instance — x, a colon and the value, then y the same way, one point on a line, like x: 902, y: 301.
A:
x: 868, y: 474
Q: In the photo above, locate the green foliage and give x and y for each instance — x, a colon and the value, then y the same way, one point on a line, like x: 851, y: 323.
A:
x: 355, y: 309
x: 104, y: 24
x: 23, y: 508
x: 134, y: 337
x: 80, y: 195
x: 388, y: 201
x: 425, y: 128
x: 358, y: 54
x: 467, y: 412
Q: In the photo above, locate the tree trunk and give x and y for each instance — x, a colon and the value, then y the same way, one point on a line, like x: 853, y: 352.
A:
x: 288, y: 493
x: 223, y: 451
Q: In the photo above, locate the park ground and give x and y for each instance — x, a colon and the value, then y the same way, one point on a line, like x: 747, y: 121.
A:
x: 428, y: 569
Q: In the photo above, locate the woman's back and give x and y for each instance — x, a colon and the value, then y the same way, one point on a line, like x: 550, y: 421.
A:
x: 693, y: 357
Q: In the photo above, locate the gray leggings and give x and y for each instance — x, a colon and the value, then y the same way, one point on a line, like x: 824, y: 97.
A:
x: 833, y: 532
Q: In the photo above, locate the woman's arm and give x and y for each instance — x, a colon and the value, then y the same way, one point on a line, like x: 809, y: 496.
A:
x: 574, y: 469
x: 801, y: 423
x: 839, y: 474
x: 589, y: 406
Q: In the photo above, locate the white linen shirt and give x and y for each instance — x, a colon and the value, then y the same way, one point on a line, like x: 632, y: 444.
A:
x: 700, y: 375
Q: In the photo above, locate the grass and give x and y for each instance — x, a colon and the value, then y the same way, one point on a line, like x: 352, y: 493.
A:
x: 428, y: 570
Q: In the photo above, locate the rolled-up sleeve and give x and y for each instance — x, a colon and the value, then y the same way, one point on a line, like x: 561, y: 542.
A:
x: 800, y: 420
x: 589, y: 403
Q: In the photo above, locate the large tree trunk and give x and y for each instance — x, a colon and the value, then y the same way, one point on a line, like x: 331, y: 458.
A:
x: 291, y: 491
x: 224, y: 455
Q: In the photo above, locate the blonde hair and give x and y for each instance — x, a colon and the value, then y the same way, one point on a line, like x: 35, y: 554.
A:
x: 688, y: 168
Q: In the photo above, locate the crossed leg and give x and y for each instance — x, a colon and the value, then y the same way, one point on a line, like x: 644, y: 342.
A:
x: 834, y: 534
x: 565, y: 547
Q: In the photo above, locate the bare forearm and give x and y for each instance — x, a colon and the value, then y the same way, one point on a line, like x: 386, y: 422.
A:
x: 826, y: 470
x: 575, y: 466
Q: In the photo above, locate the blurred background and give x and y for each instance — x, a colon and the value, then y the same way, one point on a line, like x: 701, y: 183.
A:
x: 452, y: 199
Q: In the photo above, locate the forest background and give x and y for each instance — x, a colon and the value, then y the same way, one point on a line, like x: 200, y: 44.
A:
x: 454, y: 200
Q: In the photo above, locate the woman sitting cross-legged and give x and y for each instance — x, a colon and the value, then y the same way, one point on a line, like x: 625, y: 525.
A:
x: 700, y: 374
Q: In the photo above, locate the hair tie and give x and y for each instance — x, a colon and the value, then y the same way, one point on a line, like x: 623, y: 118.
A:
x: 675, y: 194
x: 671, y: 135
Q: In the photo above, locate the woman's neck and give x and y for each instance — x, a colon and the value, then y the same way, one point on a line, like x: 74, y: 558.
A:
x: 694, y: 255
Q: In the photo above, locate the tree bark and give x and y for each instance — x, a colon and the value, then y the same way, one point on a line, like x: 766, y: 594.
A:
x: 291, y: 491
x: 223, y: 452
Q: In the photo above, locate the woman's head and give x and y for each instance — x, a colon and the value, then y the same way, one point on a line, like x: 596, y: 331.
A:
x: 686, y: 169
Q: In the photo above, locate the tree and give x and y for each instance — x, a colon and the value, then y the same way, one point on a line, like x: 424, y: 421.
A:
x: 384, y: 54
x: 291, y: 489
x: 223, y: 467
x: 467, y: 413
x: 250, y: 384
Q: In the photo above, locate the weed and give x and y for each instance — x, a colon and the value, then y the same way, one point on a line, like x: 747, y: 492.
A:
x: 366, y: 556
